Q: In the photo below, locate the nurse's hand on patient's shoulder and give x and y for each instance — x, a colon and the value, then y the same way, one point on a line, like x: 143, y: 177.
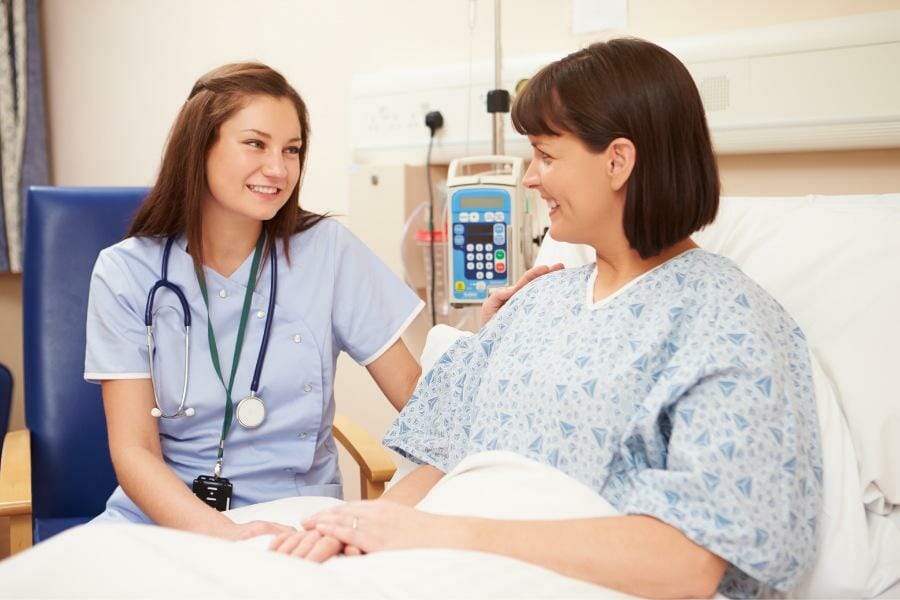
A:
x: 498, y: 296
x: 244, y: 531
x: 374, y: 525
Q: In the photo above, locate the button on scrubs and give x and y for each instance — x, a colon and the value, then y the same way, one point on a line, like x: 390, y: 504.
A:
x: 335, y: 295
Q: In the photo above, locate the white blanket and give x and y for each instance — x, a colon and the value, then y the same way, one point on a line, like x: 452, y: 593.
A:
x: 131, y: 561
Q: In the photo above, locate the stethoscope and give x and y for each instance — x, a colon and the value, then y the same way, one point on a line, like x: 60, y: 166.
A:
x: 250, y: 411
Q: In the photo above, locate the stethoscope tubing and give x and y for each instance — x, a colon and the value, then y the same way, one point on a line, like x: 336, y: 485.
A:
x: 261, y: 357
x: 186, y: 311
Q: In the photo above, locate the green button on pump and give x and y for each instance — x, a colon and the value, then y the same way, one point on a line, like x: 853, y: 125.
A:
x: 500, y: 254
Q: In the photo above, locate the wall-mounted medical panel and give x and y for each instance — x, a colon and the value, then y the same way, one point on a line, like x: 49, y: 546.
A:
x: 818, y: 85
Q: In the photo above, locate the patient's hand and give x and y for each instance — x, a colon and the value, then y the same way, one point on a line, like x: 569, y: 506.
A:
x: 384, y: 525
x: 498, y: 296
x: 308, y: 544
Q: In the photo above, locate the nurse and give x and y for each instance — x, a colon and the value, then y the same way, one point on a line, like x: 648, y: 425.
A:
x: 273, y: 292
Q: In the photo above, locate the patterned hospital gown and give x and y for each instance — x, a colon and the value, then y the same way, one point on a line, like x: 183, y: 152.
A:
x: 687, y: 396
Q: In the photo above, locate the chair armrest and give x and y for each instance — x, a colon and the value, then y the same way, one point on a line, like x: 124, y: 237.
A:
x: 15, y: 490
x: 375, y: 464
x: 15, y: 474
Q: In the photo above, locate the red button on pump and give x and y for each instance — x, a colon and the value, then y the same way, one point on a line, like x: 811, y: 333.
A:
x: 500, y: 267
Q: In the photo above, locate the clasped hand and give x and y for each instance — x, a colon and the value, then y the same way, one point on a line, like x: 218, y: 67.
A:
x: 358, y: 528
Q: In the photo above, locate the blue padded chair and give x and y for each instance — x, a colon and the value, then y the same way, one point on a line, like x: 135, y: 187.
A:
x: 71, y: 474
x: 65, y: 229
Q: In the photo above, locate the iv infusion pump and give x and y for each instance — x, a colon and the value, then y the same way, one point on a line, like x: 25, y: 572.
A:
x: 490, y: 242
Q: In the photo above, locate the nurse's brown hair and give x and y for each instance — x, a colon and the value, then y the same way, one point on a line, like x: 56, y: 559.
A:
x: 633, y: 89
x: 174, y: 203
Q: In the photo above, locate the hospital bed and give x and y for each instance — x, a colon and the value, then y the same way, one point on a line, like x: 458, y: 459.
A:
x: 833, y: 262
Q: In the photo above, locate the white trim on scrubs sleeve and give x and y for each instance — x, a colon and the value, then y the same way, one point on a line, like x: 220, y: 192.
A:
x: 98, y: 377
x: 395, y: 337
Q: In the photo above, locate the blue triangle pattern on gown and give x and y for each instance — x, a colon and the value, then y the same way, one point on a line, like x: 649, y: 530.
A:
x: 727, y: 450
x: 723, y: 522
x: 526, y: 378
x: 742, y: 300
x: 537, y: 444
x: 736, y: 338
x: 711, y: 480
x: 589, y: 386
x: 599, y: 435
x: 791, y: 465
x: 727, y: 386
x: 641, y: 363
x: 560, y: 391
x: 553, y: 457
x: 745, y: 485
x: 776, y: 433
x: 765, y: 386
x: 567, y: 429
x: 636, y: 310
x: 761, y: 537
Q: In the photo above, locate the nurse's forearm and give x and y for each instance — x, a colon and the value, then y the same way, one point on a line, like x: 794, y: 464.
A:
x: 636, y: 554
x: 414, y: 486
x: 163, y: 497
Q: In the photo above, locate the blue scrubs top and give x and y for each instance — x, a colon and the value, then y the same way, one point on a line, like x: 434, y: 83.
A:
x: 335, y: 295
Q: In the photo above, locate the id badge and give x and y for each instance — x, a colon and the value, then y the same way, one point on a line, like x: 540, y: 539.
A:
x: 215, y: 491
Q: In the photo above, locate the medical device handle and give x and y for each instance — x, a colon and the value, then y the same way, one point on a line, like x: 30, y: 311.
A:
x: 488, y: 159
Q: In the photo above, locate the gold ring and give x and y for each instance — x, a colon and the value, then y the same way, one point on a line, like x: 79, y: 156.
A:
x: 355, y: 524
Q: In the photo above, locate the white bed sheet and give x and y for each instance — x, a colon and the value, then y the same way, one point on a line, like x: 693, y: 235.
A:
x: 131, y: 561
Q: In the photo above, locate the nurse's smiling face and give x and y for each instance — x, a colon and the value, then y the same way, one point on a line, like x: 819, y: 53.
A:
x: 253, y: 165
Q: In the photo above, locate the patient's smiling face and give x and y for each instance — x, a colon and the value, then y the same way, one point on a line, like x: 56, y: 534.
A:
x: 584, y: 190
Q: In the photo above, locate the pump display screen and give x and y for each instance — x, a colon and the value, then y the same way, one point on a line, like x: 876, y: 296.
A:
x: 480, y: 202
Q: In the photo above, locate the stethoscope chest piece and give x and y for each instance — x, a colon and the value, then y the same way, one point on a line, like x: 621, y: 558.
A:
x: 250, y: 412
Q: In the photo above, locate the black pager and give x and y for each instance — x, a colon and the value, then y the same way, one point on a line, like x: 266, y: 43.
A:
x: 215, y: 491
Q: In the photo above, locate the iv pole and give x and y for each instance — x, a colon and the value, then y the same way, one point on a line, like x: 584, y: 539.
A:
x: 497, y: 99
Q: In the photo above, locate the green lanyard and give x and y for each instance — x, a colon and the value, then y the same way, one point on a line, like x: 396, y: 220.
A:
x: 214, y: 351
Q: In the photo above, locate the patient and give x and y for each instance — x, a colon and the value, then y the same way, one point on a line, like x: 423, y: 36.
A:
x: 661, y: 377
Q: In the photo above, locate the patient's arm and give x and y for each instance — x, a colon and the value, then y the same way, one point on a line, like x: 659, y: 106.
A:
x: 637, y: 554
x: 153, y: 486
x: 414, y: 486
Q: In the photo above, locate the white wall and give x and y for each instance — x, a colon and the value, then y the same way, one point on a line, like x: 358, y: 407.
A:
x: 118, y: 70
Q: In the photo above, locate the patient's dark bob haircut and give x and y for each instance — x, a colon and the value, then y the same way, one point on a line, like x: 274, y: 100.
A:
x: 630, y: 88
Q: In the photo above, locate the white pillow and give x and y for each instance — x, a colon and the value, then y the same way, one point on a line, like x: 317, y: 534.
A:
x: 844, y: 560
